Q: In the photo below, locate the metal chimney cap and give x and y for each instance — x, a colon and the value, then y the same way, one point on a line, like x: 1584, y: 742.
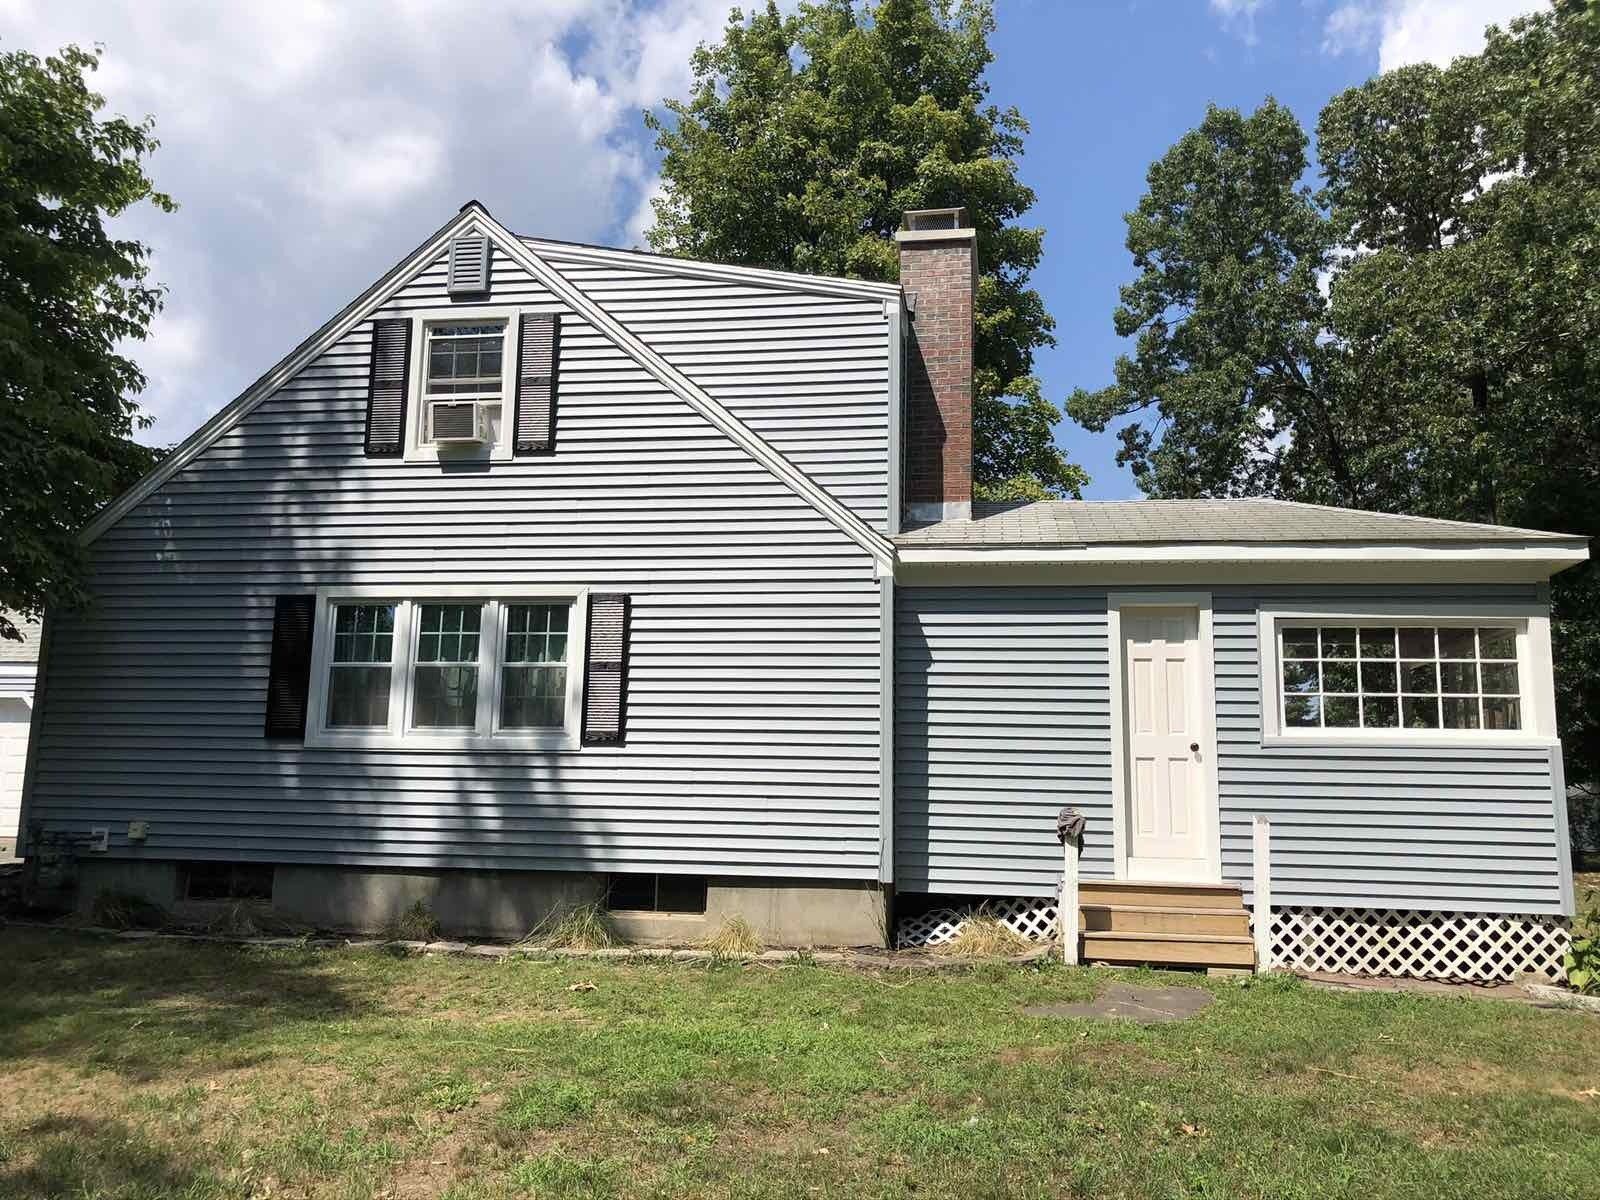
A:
x: 919, y: 219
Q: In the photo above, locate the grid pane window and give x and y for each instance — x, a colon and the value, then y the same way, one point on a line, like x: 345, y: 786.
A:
x: 445, y: 679
x: 362, y: 665
x: 466, y: 360
x: 1403, y: 676
x: 533, y: 686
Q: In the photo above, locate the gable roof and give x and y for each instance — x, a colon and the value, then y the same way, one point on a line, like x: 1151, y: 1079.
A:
x: 475, y: 215
x: 1086, y: 523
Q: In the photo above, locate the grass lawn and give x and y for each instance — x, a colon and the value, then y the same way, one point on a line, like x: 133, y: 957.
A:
x: 161, y: 1069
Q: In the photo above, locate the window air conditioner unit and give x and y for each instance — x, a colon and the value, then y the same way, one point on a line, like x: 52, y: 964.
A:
x: 458, y: 423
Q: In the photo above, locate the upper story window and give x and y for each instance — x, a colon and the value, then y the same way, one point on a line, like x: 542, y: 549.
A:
x: 1366, y: 677
x: 462, y: 362
x: 447, y: 672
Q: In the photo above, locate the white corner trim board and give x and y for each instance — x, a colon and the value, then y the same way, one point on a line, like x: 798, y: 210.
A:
x: 475, y: 215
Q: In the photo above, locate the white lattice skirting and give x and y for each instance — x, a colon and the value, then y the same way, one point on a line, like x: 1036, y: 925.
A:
x: 1033, y: 917
x: 1455, y: 947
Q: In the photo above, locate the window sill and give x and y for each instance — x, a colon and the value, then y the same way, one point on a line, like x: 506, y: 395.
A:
x: 1408, y: 740
x: 423, y: 742
x: 459, y: 457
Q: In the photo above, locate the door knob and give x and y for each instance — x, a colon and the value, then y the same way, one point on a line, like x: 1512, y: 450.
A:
x: 1194, y: 747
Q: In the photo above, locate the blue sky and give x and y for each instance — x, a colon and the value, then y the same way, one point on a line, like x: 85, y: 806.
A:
x: 1107, y: 88
x: 310, y: 143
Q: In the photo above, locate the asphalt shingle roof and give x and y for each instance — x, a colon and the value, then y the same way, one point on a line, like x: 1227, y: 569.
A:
x: 1157, y: 522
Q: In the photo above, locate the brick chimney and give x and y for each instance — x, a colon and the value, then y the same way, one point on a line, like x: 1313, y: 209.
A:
x: 939, y: 275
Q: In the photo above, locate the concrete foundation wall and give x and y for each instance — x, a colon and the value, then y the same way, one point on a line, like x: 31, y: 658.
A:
x: 510, y: 904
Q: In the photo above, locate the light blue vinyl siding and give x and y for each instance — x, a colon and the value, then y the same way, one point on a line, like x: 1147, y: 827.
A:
x: 754, y: 691
x: 1003, y: 717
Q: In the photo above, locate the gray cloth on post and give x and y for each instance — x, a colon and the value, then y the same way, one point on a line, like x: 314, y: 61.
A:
x: 1069, y: 824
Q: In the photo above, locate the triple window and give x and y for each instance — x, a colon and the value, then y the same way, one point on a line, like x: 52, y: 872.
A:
x: 447, y: 670
x: 1399, y: 677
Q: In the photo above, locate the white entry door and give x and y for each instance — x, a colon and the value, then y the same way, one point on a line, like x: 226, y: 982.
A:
x: 1168, y: 805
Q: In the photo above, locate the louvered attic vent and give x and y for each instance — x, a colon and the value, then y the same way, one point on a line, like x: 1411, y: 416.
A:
x: 469, y: 265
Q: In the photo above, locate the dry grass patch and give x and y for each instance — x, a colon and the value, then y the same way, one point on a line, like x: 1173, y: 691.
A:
x: 734, y: 938
x: 585, y: 927
x: 415, y: 924
x: 983, y: 935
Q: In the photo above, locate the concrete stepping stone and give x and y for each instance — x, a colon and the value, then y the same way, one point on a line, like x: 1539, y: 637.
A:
x: 1124, y: 1002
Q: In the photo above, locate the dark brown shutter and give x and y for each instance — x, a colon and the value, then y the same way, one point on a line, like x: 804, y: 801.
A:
x: 289, y: 680
x: 605, y: 683
x: 386, y: 396
x: 536, y: 374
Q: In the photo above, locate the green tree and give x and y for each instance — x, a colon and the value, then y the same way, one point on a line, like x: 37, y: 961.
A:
x: 1413, y: 336
x: 69, y: 295
x: 803, y: 140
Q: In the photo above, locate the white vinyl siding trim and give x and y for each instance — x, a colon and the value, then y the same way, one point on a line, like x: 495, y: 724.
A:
x: 401, y: 730
x: 1534, y: 693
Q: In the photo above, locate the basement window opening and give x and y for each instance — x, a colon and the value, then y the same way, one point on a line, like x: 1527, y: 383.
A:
x: 227, y: 881
x: 656, y: 893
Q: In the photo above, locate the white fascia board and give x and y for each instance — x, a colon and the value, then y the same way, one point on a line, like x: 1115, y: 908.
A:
x: 680, y: 385
x: 306, y: 352
x: 1537, y: 554
x: 937, y: 570
x: 789, y: 281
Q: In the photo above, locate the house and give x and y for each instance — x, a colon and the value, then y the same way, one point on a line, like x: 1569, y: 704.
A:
x: 545, y: 572
x: 17, y: 662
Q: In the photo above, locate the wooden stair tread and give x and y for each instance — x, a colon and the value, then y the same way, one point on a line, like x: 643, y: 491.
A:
x: 1175, y: 910
x: 1085, y: 884
x: 1139, y: 936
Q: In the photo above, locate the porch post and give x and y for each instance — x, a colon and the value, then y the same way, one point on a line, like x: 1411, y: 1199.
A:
x: 1067, y: 912
x: 1262, y: 834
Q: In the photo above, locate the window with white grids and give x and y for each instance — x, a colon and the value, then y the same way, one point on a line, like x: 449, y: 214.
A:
x: 534, y: 666
x: 447, y: 671
x: 1398, y: 677
x: 361, y: 666
x: 464, y: 361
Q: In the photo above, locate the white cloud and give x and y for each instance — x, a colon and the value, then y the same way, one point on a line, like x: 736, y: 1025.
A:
x: 1414, y: 31
x: 311, y: 142
x: 1239, y: 17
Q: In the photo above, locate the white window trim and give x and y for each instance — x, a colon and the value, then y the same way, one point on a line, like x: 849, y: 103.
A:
x: 399, y: 733
x: 501, y: 450
x: 1534, y: 675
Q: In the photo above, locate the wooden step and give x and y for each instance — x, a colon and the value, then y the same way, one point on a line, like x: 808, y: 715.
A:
x: 1169, y: 949
x: 1164, y: 918
x: 1169, y: 895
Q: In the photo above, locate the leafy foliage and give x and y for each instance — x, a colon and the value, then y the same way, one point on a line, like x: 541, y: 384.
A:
x: 69, y: 295
x: 806, y: 137
x: 1414, y: 336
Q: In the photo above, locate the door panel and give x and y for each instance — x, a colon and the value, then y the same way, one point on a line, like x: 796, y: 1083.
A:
x: 1169, y: 804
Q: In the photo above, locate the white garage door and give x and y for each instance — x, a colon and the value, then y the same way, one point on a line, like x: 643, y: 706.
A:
x: 13, y: 753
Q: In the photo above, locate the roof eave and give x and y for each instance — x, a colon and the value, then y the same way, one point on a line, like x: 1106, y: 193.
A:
x: 1540, y: 558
